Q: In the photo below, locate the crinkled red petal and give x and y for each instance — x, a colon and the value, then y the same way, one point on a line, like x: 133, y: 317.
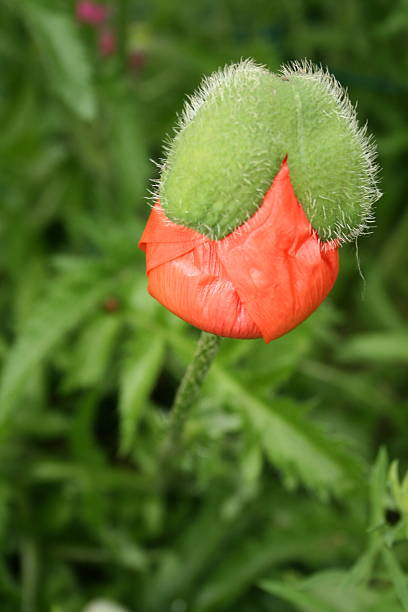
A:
x: 263, y: 279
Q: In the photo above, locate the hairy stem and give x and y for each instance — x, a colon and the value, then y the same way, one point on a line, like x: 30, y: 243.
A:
x: 190, y: 386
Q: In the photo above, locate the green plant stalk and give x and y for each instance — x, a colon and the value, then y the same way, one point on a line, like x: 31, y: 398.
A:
x: 122, y: 24
x: 190, y: 387
x: 29, y: 565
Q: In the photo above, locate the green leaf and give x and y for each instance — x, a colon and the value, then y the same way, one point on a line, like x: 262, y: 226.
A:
x: 306, y: 602
x: 139, y: 373
x: 328, y: 591
x: 198, y: 541
x: 269, y: 545
x: 353, y: 386
x: 363, y: 568
x: 290, y: 441
x: 90, y: 357
x: 69, y: 300
x: 256, y: 365
x: 246, y: 561
x: 63, y: 55
x: 397, y: 576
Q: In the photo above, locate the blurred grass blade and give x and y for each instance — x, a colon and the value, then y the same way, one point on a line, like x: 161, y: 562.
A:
x: 379, y: 304
x: 378, y: 489
x: 129, y: 151
x: 356, y: 388
x: 397, y: 576
x: 139, y: 373
x: 63, y: 56
x: 70, y: 299
x: 389, y: 347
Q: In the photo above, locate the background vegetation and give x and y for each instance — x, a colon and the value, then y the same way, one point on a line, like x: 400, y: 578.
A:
x: 281, y: 499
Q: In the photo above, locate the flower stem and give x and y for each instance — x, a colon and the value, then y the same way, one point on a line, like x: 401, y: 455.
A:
x: 190, y: 386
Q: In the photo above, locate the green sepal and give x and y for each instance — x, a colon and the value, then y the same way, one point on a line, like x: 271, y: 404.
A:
x: 234, y: 134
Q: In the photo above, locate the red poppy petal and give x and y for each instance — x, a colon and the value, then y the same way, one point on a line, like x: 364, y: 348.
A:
x: 276, y: 263
x: 166, y: 240
x: 196, y: 288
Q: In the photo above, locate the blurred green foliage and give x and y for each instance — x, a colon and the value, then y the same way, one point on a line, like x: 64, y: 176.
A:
x: 280, y: 499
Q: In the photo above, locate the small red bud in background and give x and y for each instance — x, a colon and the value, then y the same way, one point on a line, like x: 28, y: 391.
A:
x: 111, y: 304
x: 107, y: 42
x: 91, y: 12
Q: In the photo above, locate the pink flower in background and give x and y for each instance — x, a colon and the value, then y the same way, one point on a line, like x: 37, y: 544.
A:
x: 91, y: 12
x: 107, y: 42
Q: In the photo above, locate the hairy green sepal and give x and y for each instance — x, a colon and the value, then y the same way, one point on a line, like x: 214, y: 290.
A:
x: 234, y: 135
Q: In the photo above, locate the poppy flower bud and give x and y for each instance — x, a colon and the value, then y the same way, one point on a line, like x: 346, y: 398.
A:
x: 266, y: 176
